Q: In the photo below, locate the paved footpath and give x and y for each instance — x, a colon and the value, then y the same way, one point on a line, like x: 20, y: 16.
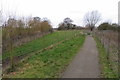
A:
x: 86, y: 62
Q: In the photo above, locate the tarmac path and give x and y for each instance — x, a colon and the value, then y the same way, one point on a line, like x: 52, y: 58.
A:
x: 86, y: 62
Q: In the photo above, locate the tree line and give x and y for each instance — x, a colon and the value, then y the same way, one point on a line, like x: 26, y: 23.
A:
x: 108, y: 26
x: 90, y: 20
x: 67, y: 24
x: 14, y: 30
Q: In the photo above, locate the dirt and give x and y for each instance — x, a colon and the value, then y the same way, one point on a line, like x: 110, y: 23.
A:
x: 86, y: 62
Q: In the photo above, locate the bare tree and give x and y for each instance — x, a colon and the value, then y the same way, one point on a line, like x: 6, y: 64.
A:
x: 91, y: 19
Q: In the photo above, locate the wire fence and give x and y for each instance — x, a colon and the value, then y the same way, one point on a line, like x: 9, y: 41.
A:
x: 109, y: 39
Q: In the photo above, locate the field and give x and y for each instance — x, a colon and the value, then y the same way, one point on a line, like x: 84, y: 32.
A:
x: 48, y: 63
x: 40, y: 43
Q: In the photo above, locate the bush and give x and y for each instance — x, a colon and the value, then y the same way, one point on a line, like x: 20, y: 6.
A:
x: 107, y: 26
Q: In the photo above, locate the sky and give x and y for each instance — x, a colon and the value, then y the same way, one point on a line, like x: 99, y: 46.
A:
x: 57, y: 10
x: 119, y: 13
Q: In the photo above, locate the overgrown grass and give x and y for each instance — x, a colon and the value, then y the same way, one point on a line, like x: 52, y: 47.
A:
x: 0, y: 43
x: 50, y: 63
x: 106, y: 71
x: 40, y: 43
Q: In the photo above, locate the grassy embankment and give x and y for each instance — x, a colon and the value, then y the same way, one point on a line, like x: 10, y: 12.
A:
x: 52, y: 62
x: 40, y: 43
x: 0, y: 51
x: 106, y: 71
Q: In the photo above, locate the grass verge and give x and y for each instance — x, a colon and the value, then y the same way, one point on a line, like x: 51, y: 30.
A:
x: 50, y: 63
x: 40, y: 43
x: 106, y: 71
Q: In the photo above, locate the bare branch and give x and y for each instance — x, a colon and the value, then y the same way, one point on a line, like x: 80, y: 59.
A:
x: 92, y: 18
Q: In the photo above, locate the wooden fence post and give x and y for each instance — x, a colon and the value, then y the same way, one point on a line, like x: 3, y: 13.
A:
x: 108, y: 48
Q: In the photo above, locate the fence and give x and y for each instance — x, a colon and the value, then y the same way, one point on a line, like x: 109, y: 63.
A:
x: 109, y: 39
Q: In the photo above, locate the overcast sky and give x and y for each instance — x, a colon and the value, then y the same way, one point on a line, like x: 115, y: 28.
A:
x: 57, y: 10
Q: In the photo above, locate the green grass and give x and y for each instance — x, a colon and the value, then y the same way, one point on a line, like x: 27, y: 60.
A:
x: 40, y: 43
x: 50, y: 63
x: 106, y: 71
x: 0, y: 42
